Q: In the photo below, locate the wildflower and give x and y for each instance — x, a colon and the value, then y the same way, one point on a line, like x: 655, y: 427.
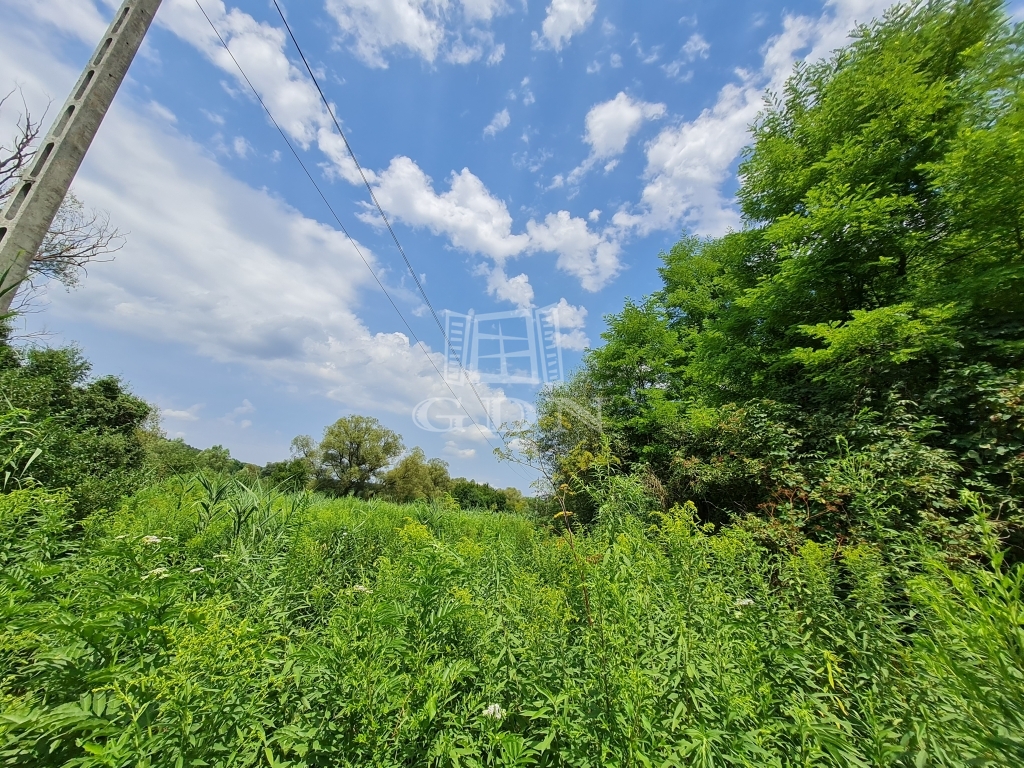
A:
x: 495, y: 712
x: 151, y: 539
x: 361, y: 588
x: 200, y: 569
x: 160, y: 573
x: 744, y: 603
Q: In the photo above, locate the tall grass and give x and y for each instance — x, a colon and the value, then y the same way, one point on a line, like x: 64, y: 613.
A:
x: 211, y: 625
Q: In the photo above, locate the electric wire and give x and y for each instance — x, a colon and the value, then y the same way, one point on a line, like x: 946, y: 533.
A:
x: 344, y: 230
x: 387, y: 222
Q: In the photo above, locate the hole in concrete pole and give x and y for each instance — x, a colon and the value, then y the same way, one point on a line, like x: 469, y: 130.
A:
x: 64, y: 121
x: 3, y: 233
x: 120, y: 21
x: 19, y: 200
x: 85, y: 84
x: 43, y: 157
x: 103, y: 51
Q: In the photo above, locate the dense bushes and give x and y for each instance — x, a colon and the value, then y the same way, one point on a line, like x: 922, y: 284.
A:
x: 87, y: 430
x: 227, y: 626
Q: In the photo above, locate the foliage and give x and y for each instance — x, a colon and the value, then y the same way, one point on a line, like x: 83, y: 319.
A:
x: 351, y: 457
x: 217, y: 623
x: 851, y: 360
x: 415, y: 477
x: 86, y: 430
x: 471, y: 494
x: 167, y: 458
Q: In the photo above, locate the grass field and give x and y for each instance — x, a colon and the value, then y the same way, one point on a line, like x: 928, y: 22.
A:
x: 208, y: 623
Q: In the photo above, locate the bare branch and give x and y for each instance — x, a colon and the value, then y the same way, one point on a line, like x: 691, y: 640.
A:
x: 15, y: 158
x: 77, y: 237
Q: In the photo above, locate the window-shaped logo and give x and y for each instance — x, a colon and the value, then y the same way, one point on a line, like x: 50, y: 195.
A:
x: 517, y: 347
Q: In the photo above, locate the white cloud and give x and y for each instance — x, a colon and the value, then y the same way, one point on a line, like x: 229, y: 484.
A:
x: 241, y: 146
x: 501, y: 121
x: 595, y: 216
x: 467, y: 213
x: 615, y: 62
x: 475, y: 221
x: 425, y: 28
x: 260, y: 49
x: 696, y: 47
x: 244, y: 409
x: 513, y: 289
x: 213, y: 117
x: 590, y: 257
x: 570, y: 322
x: 565, y: 18
x: 188, y: 414
x: 609, y: 127
x: 162, y: 112
x: 451, y: 448
x: 496, y: 55
x: 688, y: 163
x: 78, y: 18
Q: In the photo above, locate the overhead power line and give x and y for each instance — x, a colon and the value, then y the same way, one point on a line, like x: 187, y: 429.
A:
x: 344, y: 230
x: 384, y: 217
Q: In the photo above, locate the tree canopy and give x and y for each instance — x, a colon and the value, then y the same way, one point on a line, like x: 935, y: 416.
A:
x: 851, y: 357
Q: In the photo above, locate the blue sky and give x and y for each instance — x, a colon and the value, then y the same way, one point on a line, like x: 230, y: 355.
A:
x: 531, y: 154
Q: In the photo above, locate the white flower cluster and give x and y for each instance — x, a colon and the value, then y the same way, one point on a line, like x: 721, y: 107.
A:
x: 160, y: 573
x: 745, y: 602
x: 495, y: 712
x: 151, y: 539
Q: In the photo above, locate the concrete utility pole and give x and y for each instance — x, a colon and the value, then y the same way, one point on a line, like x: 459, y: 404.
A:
x: 43, y: 186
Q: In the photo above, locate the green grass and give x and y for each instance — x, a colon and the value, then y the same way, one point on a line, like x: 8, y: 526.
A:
x: 206, y: 627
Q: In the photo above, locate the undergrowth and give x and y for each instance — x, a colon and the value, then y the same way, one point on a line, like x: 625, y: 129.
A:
x: 213, y: 624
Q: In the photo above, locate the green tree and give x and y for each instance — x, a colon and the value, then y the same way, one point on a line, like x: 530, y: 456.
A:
x: 351, y: 456
x: 415, y: 477
x: 856, y: 350
x: 87, y: 429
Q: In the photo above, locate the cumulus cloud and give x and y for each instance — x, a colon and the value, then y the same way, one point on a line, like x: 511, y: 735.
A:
x: 475, y: 221
x: 501, y: 121
x: 188, y: 414
x: 610, y: 126
x: 425, y: 28
x: 590, y: 257
x: 451, y: 448
x: 688, y: 163
x: 565, y: 18
x: 570, y: 321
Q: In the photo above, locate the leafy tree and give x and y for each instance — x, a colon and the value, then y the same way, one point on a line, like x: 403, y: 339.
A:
x: 291, y: 475
x: 351, y: 456
x: 853, y: 358
x: 473, y: 495
x: 415, y: 477
x: 88, y: 429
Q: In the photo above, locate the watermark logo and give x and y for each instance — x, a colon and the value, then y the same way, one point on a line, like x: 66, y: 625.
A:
x: 445, y: 414
x: 516, y: 347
